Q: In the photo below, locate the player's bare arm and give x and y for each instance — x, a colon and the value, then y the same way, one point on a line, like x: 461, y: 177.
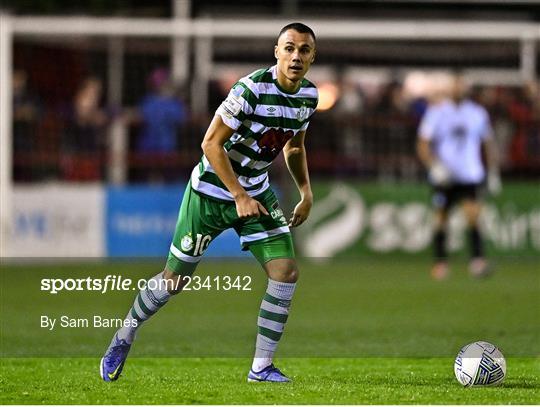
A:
x: 295, y: 158
x: 438, y: 173
x: 489, y: 152
x: 214, y: 139
x: 490, y: 155
x: 423, y: 150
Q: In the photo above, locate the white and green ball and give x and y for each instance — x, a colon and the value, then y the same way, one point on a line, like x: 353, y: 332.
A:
x: 480, y: 364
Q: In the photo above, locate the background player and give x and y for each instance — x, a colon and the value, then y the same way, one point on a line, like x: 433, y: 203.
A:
x: 265, y: 112
x: 455, y: 138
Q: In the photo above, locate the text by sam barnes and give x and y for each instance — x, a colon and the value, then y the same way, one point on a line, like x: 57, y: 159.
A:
x: 96, y: 321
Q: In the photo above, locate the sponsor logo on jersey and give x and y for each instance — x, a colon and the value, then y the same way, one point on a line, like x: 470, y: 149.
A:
x: 272, y: 142
x: 459, y: 130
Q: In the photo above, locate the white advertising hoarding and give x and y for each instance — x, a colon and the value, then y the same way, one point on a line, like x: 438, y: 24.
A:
x: 56, y: 220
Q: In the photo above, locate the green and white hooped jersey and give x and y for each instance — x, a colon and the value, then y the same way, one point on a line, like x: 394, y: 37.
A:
x: 265, y: 117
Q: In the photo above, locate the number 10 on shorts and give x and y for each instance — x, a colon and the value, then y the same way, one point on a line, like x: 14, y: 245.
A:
x: 201, y: 244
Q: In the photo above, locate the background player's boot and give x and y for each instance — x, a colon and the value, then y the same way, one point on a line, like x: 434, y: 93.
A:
x: 479, y: 267
x: 112, y: 363
x: 268, y: 374
x: 440, y: 271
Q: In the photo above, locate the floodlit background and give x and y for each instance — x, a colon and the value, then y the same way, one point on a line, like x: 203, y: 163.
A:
x: 104, y: 106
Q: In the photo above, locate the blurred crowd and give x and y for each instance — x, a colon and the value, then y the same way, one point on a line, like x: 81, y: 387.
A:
x: 71, y: 140
x: 377, y: 128
x: 366, y: 132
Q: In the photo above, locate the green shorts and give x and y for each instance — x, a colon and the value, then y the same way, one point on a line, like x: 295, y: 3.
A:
x: 201, y: 219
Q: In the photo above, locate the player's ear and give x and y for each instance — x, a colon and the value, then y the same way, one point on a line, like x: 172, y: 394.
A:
x: 313, y: 58
x: 275, y: 51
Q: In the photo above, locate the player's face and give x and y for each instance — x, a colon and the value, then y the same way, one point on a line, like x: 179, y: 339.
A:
x: 295, y: 52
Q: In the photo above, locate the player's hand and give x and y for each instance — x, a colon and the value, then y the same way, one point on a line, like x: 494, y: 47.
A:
x: 300, y: 213
x: 247, y: 207
x: 494, y: 183
x: 439, y: 174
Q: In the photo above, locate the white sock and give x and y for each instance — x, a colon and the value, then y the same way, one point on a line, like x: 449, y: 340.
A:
x: 271, y: 322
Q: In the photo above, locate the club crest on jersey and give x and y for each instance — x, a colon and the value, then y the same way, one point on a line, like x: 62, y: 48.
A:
x: 186, y: 243
x: 302, y: 114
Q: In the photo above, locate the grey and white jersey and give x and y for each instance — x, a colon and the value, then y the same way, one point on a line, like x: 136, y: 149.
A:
x: 456, y: 132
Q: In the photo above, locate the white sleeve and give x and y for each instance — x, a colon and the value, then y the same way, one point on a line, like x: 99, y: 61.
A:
x: 235, y: 108
x: 428, y: 124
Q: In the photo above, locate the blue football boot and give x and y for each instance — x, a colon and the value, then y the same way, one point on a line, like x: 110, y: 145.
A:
x: 268, y: 374
x: 112, y: 363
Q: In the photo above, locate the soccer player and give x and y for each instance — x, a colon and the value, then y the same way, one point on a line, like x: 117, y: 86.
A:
x: 264, y: 113
x: 455, y: 138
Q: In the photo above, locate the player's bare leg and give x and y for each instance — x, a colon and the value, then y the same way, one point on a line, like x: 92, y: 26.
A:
x: 282, y: 270
x: 478, y: 265
x: 175, y: 282
x: 440, y: 269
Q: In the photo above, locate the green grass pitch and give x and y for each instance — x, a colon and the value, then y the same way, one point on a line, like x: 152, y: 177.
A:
x: 222, y: 381
x: 361, y: 331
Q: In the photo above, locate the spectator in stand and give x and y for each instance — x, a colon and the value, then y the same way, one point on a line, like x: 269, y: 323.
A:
x: 162, y: 115
x: 85, y: 134
x: 524, y: 111
x: 346, y: 115
x: 396, y: 135
x: 26, y: 117
x: 532, y: 94
x: 496, y: 101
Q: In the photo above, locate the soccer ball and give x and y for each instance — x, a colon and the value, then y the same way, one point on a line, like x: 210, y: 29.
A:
x: 480, y: 364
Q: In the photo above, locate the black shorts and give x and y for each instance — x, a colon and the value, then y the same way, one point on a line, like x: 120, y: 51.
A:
x: 446, y: 197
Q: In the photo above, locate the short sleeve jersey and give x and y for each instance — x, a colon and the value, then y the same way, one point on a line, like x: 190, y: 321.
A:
x: 456, y: 132
x: 264, y: 118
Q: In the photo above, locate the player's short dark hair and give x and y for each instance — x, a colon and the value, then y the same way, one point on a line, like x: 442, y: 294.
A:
x: 301, y: 28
